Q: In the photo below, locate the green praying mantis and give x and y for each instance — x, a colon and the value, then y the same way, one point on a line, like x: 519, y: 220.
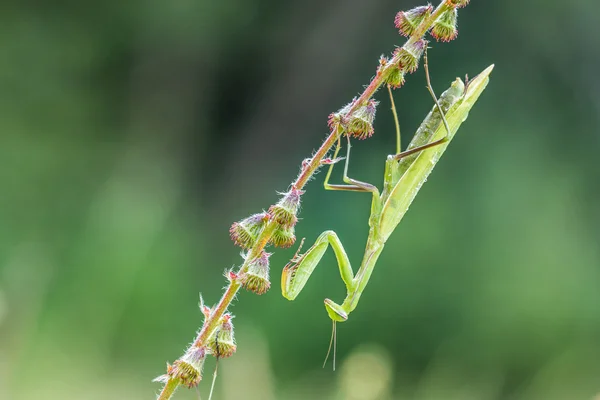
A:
x: 405, y: 173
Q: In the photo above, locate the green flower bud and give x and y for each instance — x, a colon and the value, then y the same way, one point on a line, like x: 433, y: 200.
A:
x: 358, y: 125
x: 409, y: 55
x: 222, y: 341
x: 256, y: 278
x: 245, y: 232
x: 395, y: 74
x: 396, y: 77
x: 284, y: 212
x: 283, y: 237
x: 408, y: 21
x: 445, y: 27
x: 188, y: 369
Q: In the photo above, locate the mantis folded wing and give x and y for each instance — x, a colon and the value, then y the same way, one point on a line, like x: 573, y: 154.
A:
x: 405, y: 173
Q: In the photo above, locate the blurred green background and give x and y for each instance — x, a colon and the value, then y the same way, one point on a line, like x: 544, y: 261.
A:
x: 133, y: 133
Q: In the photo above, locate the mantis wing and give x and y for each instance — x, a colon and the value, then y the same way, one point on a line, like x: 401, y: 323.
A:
x: 414, y: 175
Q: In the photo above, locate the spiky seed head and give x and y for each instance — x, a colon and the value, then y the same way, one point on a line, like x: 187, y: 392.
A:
x: 188, y: 369
x: 222, y: 341
x: 285, y: 211
x: 256, y: 278
x: 410, y: 54
x: 244, y: 232
x: 283, y: 237
x: 408, y: 21
x: 445, y: 27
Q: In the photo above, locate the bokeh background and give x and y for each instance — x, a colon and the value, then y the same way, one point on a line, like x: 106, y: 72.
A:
x: 133, y: 133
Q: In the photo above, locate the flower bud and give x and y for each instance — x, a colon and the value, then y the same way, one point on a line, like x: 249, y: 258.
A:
x: 188, y: 369
x: 336, y: 119
x: 409, y: 55
x: 445, y: 27
x: 256, y: 277
x: 408, y: 21
x: 245, y: 232
x: 284, y: 212
x: 395, y: 74
x: 283, y: 237
x: 359, y: 124
x: 396, y: 77
x: 222, y: 341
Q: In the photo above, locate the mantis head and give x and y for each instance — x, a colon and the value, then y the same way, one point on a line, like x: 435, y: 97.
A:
x: 335, y: 311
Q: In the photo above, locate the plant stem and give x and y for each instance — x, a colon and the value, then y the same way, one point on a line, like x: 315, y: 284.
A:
x: 306, y: 173
x: 169, y: 389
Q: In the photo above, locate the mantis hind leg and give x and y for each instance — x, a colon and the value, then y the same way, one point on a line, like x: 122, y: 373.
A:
x: 296, y: 273
x: 396, y: 122
x: 443, y: 140
x: 352, y: 185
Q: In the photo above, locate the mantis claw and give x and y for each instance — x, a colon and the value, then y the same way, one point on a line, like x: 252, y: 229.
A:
x: 297, y: 257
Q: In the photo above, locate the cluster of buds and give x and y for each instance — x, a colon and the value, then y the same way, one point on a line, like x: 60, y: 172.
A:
x: 245, y: 232
x: 187, y: 370
x: 444, y: 27
x: 222, y: 341
x: 359, y: 124
x: 256, y: 277
x: 284, y: 213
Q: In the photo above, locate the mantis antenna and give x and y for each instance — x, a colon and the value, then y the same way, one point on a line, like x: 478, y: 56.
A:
x: 393, y: 107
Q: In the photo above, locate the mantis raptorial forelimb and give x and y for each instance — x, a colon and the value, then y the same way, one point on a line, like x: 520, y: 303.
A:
x: 405, y: 172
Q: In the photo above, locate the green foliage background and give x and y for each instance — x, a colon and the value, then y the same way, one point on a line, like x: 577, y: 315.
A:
x: 133, y: 133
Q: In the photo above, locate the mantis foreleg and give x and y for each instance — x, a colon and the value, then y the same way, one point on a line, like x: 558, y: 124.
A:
x: 298, y: 270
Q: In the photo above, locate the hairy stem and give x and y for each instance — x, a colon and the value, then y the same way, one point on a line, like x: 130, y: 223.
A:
x: 169, y: 389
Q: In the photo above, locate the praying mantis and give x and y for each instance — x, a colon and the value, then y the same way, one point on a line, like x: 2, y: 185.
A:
x: 405, y: 172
